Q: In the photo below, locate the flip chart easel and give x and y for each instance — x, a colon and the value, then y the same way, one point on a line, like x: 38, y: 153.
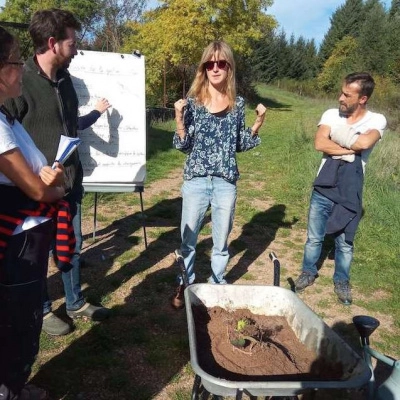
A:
x: 113, y: 149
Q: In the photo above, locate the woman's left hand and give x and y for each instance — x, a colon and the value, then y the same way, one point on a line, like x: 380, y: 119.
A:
x: 53, y: 177
x: 260, y: 111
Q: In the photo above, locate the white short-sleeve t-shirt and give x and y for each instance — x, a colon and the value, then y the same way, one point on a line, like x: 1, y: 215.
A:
x: 15, y: 136
x: 371, y: 120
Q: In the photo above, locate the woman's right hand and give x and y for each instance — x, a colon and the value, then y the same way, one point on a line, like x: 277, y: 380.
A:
x: 53, y: 177
x: 179, y: 109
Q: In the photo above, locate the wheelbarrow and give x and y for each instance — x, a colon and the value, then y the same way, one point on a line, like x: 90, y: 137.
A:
x: 307, y: 326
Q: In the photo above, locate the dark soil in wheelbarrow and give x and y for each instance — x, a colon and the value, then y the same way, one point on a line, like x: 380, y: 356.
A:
x: 241, y: 346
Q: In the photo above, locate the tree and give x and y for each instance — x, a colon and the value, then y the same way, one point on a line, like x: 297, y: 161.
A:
x: 176, y: 33
x: 393, y: 35
x: 298, y: 65
x: 274, y: 58
x: 86, y: 11
x: 113, y: 26
x: 265, y: 58
x: 311, y: 60
x: 373, y: 40
x: 342, y: 61
x: 103, y: 22
x: 345, y: 21
x: 283, y: 60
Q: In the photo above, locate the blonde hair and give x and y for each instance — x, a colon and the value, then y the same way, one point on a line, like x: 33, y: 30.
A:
x: 199, y: 88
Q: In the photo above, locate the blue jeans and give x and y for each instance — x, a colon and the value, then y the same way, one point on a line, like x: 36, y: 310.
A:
x: 197, y: 195
x: 319, y: 212
x: 72, y: 280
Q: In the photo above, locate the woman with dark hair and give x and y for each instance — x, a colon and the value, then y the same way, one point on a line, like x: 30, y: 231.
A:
x: 30, y: 194
x: 211, y: 130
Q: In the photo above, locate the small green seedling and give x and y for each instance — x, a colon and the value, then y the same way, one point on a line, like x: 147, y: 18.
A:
x: 241, y: 324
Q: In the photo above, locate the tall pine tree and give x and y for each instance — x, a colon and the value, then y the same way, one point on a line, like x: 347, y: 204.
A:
x: 373, y: 40
x: 393, y: 35
x: 345, y: 21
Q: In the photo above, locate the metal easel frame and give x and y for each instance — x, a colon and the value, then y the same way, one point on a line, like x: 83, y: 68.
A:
x: 115, y: 188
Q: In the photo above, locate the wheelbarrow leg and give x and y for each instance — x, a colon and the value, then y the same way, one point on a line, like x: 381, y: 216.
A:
x: 196, y: 386
x: 239, y: 394
x: 181, y: 264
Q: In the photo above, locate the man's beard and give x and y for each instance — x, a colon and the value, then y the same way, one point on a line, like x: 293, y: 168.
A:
x: 347, y: 111
x: 66, y: 63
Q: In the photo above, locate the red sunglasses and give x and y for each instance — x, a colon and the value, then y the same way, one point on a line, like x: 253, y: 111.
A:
x: 221, y: 64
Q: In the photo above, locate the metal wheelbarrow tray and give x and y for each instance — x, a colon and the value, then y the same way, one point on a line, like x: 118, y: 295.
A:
x: 308, y: 327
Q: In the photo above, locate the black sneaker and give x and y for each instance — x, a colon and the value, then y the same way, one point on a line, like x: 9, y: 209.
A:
x: 178, y: 300
x: 343, y: 291
x: 305, y: 279
x: 90, y: 311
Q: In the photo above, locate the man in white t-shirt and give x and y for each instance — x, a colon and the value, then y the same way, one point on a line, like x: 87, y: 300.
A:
x: 346, y: 137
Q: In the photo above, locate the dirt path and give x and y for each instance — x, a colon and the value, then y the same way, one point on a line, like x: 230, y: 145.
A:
x: 118, y: 258
x: 320, y: 298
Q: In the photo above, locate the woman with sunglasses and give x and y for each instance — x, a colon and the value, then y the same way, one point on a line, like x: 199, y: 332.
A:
x: 210, y: 130
x: 29, y: 191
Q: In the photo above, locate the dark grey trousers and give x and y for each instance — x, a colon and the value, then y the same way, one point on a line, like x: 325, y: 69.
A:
x: 22, y: 276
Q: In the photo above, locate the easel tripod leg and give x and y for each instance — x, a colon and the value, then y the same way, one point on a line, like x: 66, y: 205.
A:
x: 143, y: 220
x: 95, y: 216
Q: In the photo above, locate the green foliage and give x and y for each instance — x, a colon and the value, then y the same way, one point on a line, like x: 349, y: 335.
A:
x: 373, y: 43
x: 274, y: 58
x: 363, y: 36
x: 183, y: 28
x: 86, y: 11
x: 103, y: 22
x: 345, y: 21
x: 342, y: 61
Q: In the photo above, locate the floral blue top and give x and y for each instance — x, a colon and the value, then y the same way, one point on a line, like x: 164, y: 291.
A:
x: 212, y: 140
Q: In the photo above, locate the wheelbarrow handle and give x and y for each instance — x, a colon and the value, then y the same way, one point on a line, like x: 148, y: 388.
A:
x: 277, y: 268
x: 273, y: 256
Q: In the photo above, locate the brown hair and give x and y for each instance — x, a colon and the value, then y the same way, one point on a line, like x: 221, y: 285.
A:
x: 199, y: 89
x: 8, y: 44
x: 364, y: 80
x: 51, y: 23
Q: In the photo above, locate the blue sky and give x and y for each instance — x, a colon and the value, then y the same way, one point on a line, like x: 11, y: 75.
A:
x: 308, y: 18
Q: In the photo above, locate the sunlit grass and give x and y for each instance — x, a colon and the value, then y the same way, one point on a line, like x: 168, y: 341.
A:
x: 273, y: 200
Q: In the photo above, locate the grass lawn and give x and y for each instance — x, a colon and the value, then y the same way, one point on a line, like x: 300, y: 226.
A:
x: 142, y: 351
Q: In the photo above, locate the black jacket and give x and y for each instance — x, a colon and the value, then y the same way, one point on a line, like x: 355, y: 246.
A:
x: 342, y: 182
x: 47, y: 110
